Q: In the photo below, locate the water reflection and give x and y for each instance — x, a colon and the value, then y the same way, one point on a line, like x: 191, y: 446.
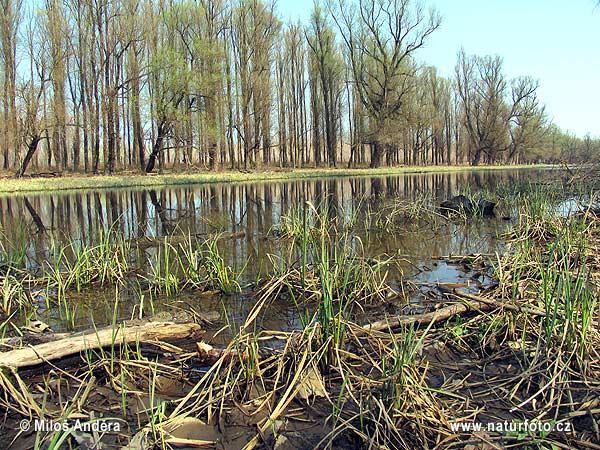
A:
x: 252, y: 207
x: 249, y: 211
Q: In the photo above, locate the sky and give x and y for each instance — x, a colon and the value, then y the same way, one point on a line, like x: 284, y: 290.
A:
x: 554, y: 41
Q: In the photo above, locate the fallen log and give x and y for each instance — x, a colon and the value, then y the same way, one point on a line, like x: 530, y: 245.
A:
x: 470, y: 302
x: 430, y: 317
x: 149, y: 332
x: 508, y: 306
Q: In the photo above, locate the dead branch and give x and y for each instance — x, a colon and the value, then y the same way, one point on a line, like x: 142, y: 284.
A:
x: 150, y: 332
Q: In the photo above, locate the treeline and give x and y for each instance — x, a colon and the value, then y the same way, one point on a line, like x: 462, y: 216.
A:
x: 102, y: 86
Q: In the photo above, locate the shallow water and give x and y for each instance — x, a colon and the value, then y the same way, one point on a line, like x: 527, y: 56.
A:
x: 250, y: 212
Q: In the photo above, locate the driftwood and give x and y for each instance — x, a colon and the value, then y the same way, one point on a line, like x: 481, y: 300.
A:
x: 149, y: 332
x: 427, y: 318
x: 471, y: 302
x: 508, y: 306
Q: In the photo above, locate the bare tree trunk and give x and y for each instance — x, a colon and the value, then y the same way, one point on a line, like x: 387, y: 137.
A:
x: 9, y: 24
x: 376, y: 153
x: 31, y: 149
x: 161, y: 133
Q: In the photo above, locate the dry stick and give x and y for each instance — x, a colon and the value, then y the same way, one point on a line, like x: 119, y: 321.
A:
x: 471, y: 302
x: 421, y: 319
x: 509, y: 306
x: 148, y: 332
x: 431, y: 317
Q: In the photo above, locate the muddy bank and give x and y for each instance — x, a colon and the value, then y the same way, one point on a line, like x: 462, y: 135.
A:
x: 335, y: 343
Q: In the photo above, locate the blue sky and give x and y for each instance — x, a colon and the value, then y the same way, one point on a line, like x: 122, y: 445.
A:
x: 554, y: 41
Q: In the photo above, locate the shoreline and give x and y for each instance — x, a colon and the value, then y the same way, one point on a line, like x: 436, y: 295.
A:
x: 11, y: 186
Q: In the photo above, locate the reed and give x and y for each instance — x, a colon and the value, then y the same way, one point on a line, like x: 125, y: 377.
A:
x: 552, y: 269
x: 219, y: 275
x: 13, y: 249
x: 13, y: 294
x: 74, y: 266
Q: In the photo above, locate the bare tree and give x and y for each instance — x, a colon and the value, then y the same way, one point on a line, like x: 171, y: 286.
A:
x: 33, y: 127
x: 528, y: 118
x: 498, y: 117
x: 10, y: 18
x: 329, y: 66
x: 380, y: 36
x: 57, y: 29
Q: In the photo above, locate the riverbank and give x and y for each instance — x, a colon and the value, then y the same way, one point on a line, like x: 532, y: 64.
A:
x: 369, y: 356
x: 77, y: 182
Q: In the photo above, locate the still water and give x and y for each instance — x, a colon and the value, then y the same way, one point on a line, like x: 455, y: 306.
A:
x: 249, y: 213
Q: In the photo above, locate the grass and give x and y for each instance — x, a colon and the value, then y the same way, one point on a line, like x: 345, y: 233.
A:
x: 13, y: 294
x: 74, y: 271
x: 12, y: 186
x: 75, y: 265
x: 13, y: 252
x: 532, y: 354
x: 218, y: 273
x: 333, y: 269
x: 401, y: 215
x: 555, y: 263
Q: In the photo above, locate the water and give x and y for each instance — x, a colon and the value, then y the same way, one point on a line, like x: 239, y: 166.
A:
x: 249, y: 214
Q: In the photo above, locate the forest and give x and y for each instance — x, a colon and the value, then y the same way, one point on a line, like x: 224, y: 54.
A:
x: 344, y: 246
x: 100, y: 86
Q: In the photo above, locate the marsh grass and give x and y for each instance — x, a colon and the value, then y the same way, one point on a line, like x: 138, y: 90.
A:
x: 189, y: 263
x: 533, y: 355
x: 396, y: 215
x: 567, y: 291
x: 421, y: 212
x: 164, y: 276
x: 218, y: 273
x: 13, y: 251
x: 75, y: 266
x: 74, y: 269
x: 13, y: 294
x: 332, y: 278
x: 551, y: 273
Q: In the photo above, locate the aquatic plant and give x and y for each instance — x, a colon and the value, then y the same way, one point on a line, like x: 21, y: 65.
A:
x: 218, y: 273
x: 13, y: 294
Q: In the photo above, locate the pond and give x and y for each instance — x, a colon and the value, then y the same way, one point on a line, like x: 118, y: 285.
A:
x: 247, y: 217
x: 340, y: 312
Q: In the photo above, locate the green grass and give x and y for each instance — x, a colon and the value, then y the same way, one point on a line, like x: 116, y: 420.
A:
x: 219, y: 274
x: 14, y: 186
x: 326, y: 274
x: 382, y: 387
x: 553, y: 267
x: 13, y: 294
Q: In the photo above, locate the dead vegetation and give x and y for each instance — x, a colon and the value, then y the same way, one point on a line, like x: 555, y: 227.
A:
x: 522, y: 350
